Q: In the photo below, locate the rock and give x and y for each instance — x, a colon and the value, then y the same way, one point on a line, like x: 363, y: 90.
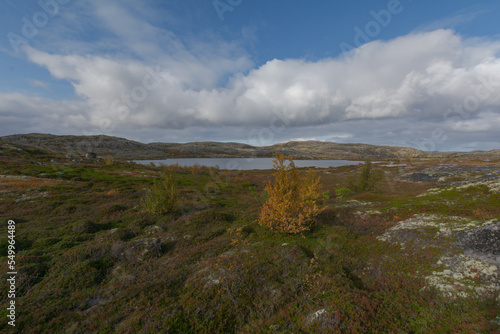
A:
x: 136, y: 250
x: 118, y: 234
x: 483, y: 241
x: 90, y: 155
x: 145, y: 247
x: 155, y: 229
x: 84, y: 227
x: 484, y: 179
x: 466, y: 273
x: 421, y: 177
x: 325, y: 318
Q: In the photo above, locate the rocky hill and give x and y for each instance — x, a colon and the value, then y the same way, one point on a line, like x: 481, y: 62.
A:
x: 121, y: 148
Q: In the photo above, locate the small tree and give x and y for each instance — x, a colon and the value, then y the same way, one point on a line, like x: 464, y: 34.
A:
x: 292, y: 203
x: 367, y: 180
x: 162, y: 198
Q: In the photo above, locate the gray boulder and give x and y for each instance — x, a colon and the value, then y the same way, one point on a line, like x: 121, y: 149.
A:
x: 484, y: 239
x: 137, y: 250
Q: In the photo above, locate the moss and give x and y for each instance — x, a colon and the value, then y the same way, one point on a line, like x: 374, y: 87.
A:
x: 208, y: 217
x: 218, y: 270
x: 46, y: 242
x: 85, y: 226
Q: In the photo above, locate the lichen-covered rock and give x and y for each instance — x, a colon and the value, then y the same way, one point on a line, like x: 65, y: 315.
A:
x: 429, y: 224
x: 152, y: 230
x: 136, y: 250
x: 458, y: 274
x: 118, y: 234
x: 90, y: 155
x: 463, y: 274
x: 323, y: 318
x: 421, y: 177
x: 483, y: 241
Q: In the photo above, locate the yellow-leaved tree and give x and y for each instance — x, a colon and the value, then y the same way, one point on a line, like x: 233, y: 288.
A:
x: 292, y: 205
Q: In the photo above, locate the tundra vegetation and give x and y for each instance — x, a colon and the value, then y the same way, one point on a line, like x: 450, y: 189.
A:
x: 97, y: 252
x: 162, y: 198
x: 292, y: 204
x: 367, y: 180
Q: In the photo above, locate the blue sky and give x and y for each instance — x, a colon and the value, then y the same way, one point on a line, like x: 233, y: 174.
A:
x: 406, y: 73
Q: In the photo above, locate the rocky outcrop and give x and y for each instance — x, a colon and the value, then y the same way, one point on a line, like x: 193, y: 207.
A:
x: 82, y: 145
x: 474, y: 270
x: 120, y: 148
x: 454, y: 175
x: 483, y: 242
x: 421, y: 177
x: 90, y: 155
x: 137, y: 250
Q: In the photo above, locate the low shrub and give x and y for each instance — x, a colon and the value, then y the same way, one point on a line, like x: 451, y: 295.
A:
x: 162, y: 198
x: 367, y: 180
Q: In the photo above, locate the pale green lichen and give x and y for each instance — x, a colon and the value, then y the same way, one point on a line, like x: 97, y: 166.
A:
x: 466, y: 274
x: 460, y: 274
x: 442, y: 225
x: 493, y: 187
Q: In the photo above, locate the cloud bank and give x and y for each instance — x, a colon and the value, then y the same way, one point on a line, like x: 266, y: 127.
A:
x: 412, y: 87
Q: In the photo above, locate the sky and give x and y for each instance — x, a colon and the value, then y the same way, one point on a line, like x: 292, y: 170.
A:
x: 413, y: 73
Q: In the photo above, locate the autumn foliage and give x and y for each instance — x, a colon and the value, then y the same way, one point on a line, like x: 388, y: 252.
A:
x: 293, y: 198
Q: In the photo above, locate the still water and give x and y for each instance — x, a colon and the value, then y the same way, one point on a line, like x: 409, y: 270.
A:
x: 245, y: 164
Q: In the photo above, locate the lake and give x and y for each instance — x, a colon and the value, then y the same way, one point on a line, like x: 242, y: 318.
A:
x: 245, y: 163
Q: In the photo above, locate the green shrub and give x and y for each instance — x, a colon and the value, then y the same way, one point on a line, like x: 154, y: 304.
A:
x: 366, y: 181
x: 341, y: 192
x: 162, y: 198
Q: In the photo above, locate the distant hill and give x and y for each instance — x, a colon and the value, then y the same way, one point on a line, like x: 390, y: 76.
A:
x: 121, y: 148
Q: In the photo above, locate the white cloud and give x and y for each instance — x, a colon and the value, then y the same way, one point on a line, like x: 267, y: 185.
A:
x: 429, y: 71
x: 485, y: 122
x: 409, y: 86
x: 24, y: 114
x: 452, y: 22
x: 38, y: 83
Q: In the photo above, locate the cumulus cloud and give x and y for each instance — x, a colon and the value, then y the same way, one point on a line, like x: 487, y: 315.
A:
x: 436, y: 79
x: 35, y: 114
x: 428, y: 71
